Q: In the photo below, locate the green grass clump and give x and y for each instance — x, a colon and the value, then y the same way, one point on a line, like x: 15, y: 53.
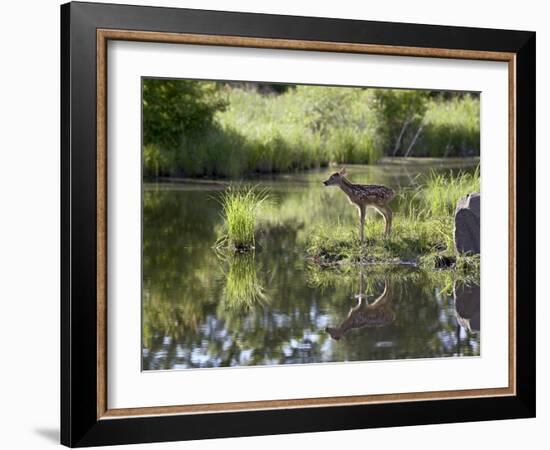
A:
x: 240, y: 209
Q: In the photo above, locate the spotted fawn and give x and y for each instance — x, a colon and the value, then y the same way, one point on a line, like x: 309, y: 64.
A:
x: 363, y: 196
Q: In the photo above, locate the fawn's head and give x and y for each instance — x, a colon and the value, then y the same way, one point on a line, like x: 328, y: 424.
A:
x: 335, y: 178
x: 335, y: 333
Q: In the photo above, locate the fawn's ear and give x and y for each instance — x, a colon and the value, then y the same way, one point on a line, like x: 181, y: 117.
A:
x: 343, y: 171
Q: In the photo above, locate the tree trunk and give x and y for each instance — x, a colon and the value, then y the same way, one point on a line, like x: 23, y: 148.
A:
x: 411, y: 145
x: 398, y: 141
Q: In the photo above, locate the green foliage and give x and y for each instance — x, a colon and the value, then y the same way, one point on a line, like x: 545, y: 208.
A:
x: 217, y: 129
x: 324, y: 109
x: 214, y: 153
x: 175, y: 108
x: 400, y: 112
x: 417, y: 123
x: 452, y: 127
x: 306, y: 127
x: 154, y: 162
x: 353, y: 147
x: 240, y: 210
x: 442, y: 192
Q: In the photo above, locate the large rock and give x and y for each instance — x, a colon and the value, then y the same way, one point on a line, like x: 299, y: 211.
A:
x: 467, y: 306
x: 467, y: 228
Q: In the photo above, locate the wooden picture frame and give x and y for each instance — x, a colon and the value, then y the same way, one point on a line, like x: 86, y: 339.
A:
x: 86, y: 418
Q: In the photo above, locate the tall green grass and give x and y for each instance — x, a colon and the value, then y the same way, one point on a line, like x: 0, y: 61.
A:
x: 451, y: 128
x: 441, y: 193
x: 240, y: 210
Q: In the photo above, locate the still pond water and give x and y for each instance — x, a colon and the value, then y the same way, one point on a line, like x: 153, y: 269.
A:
x: 203, y: 309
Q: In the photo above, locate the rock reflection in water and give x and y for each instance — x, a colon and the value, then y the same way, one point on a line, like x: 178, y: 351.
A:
x: 467, y: 306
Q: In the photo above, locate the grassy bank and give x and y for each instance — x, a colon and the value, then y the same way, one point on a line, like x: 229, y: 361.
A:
x: 422, y: 232
x: 306, y: 127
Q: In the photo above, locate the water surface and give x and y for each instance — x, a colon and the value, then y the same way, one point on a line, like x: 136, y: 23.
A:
x: 203, y: 309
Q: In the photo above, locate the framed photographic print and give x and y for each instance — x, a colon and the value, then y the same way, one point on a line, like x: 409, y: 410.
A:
x: 276, y: 224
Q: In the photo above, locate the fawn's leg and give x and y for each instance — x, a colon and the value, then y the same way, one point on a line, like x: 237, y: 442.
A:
x: 387, y: 214
x: 386, y: 296
x: 362, y: 214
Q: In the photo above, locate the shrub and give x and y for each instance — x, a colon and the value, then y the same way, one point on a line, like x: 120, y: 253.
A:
x: 175, y: 108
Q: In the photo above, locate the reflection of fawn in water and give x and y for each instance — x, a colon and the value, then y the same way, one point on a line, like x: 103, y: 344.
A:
x: 377, y: 314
